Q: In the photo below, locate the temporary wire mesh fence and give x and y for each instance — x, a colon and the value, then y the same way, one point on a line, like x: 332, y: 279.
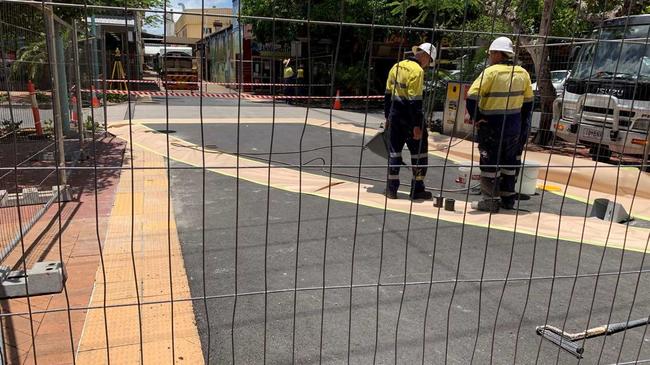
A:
x: 232, y: 214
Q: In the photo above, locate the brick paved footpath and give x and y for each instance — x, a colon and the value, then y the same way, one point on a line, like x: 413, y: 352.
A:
x: 53, y: 342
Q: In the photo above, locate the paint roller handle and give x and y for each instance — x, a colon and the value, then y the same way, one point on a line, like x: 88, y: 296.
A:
x: 622, y: 326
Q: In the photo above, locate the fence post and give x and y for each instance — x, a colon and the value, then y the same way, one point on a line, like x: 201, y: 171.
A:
x: 104, y: 77
x: 50, y: 36
x: 77, y: 81
x: 644, y: 163
x: 4, y: 65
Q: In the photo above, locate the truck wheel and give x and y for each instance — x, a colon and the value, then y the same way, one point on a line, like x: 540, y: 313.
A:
x: 600, y: 153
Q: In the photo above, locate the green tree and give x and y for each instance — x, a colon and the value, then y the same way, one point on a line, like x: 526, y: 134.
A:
x: 445, y: 13
x: 69, y: 13
x: 357, y: 11
x: 30, y: 61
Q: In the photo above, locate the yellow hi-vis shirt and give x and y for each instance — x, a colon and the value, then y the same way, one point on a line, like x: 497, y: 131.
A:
x: 501, y: 89
x: 405, y: 81
x: 403, y: 98
x: 288, y: 72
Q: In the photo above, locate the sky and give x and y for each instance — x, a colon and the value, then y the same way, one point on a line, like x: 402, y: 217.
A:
x: 189, y: 4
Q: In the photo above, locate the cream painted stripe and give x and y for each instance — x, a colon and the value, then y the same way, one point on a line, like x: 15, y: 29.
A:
x: 637, y: 206
x: 580, y: 195
x: 595, y: 231
x: 607, y: 183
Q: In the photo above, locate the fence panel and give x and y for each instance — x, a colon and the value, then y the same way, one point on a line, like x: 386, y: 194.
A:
x: 234, y: 195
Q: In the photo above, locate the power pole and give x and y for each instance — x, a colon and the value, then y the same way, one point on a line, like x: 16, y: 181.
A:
x: 93, y: 58
x: 50, y: 38
x: 63, y: 81
x: 77, y: 80
x: 139, y: 45
x: 546, y: 89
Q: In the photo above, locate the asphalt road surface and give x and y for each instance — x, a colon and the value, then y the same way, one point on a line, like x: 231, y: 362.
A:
x: 261, y: 242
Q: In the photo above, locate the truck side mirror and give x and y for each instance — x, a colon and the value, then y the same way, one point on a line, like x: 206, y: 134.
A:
x: 574, y: 53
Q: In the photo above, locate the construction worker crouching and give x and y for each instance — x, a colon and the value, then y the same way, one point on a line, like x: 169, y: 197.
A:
x: 405, y: 120
x: 500, y: 104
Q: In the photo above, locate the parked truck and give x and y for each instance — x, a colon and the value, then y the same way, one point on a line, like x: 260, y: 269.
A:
x: 606, y: 100
x: 178, y: 71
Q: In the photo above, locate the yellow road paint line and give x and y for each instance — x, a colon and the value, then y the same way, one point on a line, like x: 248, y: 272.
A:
x: 552, y: 188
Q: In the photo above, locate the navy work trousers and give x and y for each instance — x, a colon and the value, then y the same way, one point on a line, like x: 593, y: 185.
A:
x: 498, y: 163
x: 400, y: 133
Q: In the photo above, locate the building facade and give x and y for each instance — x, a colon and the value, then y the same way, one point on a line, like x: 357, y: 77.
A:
x: 189, y: 25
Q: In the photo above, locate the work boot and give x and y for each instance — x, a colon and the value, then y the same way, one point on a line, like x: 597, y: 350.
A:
x: 390, y: 194
x: 522, y: 196
x: 487, y: 205
x: 508, y: 205
x: 421, y: 195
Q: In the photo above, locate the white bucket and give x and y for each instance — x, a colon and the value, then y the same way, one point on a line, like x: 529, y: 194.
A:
x: 527, y: 179
x: 469, y: 176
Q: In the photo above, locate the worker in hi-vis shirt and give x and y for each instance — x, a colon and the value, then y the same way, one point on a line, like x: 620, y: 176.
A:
x: 405, y: 120
x: 500, y: 103
x: 300, y: 79
x: 288, y: 77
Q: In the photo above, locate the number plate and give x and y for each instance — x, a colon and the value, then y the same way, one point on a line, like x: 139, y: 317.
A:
x: 591, y: 134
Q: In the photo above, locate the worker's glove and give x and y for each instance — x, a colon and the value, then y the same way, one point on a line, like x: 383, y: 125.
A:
x: 417, y: 133
x: 479, y: 123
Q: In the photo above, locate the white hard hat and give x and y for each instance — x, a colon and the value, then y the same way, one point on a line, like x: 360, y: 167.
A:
x: 429, y: 48
x: 502, y: 44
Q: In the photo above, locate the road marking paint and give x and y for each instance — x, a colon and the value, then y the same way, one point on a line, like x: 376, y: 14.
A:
x: 544, y: 225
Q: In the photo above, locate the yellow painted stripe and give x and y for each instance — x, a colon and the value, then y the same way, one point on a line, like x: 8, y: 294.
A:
x: 152, y: 246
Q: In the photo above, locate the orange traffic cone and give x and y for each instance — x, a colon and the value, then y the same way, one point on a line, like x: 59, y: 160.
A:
x: 35, y: 112
x: 73, y: 105
x: 337, y: 101
x: 94, y: 101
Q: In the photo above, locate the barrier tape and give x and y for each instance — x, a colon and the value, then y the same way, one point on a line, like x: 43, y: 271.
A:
x: 230, y: 95
x: 160, y: 82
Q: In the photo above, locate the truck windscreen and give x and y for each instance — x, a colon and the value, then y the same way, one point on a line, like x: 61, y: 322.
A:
x: 178, y: 62
x: 618, y: 53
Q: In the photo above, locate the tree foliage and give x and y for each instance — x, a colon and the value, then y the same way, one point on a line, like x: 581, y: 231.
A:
x: 30, y: 14
x: 30, y: 61
x: 444, y: 13
x: 349, y: 11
